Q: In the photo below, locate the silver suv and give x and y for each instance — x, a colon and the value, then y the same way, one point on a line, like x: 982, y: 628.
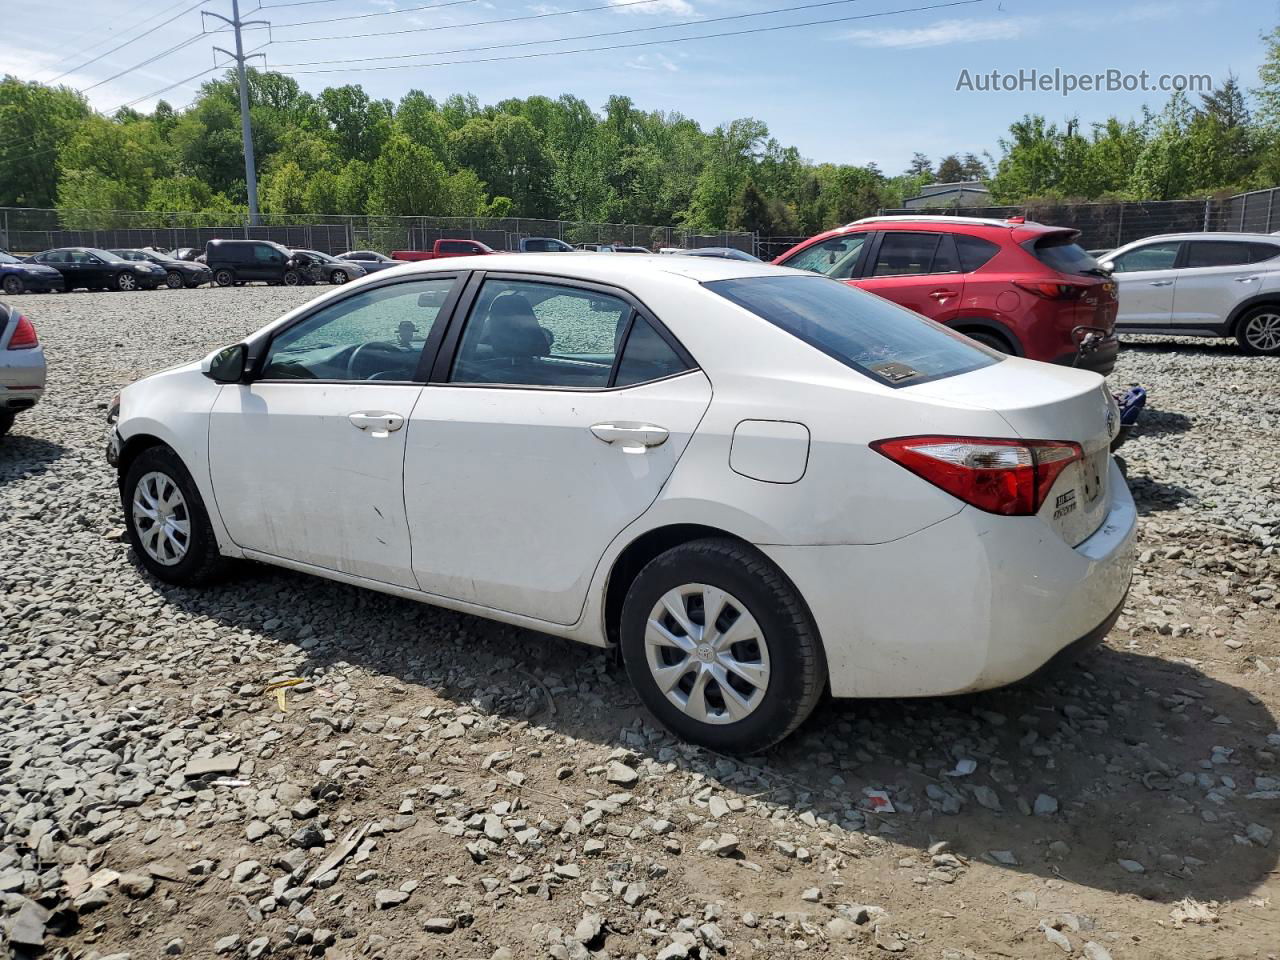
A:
x: 1201, y: 285
x: 22, y: 368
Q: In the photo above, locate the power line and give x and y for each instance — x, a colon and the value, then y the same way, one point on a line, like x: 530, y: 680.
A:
x: 646, y: 43
x: 198, y: 3
x: 581, y: 36
x: 476, y: 23
x: 379, y: 13
x: 150, y: 60
x: 101, y: 40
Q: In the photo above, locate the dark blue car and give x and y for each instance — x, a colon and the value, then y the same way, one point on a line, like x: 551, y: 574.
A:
x: 18, y: 276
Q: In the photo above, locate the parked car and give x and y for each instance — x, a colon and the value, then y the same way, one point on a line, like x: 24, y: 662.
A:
x: 370, y: 260
x: 187, y: 253
x: 333, y: 270
x: 724, y: 253
x: 1201, y: 285
x: 93, y: 269
x: 19, y: 276
x: 177, y: 273
x: 22, y: 367
x: 244, y: 261
x: 626, y: 249
x: 544, y: 245
x: 1024, y: 289
x: 775, y: 484
x: 595, y: 247
x: 445, y: 248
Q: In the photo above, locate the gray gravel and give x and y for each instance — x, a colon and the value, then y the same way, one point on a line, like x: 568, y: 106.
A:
x: 443, y: 786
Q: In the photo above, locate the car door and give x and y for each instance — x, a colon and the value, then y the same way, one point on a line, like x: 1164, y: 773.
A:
x: 918, y: 270
x: 1214, y: 277
x: 60, y: 260
x: 560, y: 416
x: 1145, y: 278
x: 98, y: 272
x: 306, y: 458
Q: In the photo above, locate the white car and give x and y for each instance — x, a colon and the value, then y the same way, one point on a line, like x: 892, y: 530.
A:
x: 1201, y: 285
x: 761, y: 483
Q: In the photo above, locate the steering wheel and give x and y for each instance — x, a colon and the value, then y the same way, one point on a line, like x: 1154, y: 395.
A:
x: 383, y: 346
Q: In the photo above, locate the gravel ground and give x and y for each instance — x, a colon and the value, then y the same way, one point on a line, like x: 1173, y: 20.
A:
x: 441, y: 786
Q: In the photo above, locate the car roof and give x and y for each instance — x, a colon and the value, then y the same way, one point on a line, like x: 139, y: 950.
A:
x: 1209, y: 235
x: 605, y: 267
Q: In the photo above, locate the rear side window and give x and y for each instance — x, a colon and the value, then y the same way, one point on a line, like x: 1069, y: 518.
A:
x: 647, y: 356
x: 1064, y: 255
x: 974, y: 251
x: 873, y: 336
x: 1227, y: 253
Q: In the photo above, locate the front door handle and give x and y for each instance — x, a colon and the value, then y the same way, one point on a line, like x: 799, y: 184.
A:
x: 632, y: 437
x: 942, y: 294
x: 1161, y: 283
x: 378, y: 424
x: 1246, y: 279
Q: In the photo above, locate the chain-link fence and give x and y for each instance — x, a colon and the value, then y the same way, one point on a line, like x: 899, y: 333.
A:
x: 28, y: 230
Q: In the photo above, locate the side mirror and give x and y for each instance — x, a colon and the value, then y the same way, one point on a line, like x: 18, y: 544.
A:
x: 225, y: 365
x: 1109, y: 266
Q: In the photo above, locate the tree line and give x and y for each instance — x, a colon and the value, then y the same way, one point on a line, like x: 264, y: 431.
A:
x: 343, y: 152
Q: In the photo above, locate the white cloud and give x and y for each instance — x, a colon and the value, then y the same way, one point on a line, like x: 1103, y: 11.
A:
x: 943, y: 33
x: 653, y: 61
x: 682, y: 7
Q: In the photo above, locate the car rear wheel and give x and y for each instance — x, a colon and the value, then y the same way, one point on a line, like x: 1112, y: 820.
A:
x: 992, y: 340
x: 338, y: 276
x: 167, y: 522
x: 720, y: 647
x: 126, y: 282
x: 224, y: 278
x: 13, y: 286
x: 173, y: 280
x: 1259, y: 331
x: 292, y: 278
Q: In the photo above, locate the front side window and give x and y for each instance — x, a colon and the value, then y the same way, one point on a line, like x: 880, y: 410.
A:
x: 376, y: 335
x: 909, y: 254
x: 1154, y: 256
x: 457, y: 246
x: 835, y: 257
x: 265, y: 254
x: 862, y: 331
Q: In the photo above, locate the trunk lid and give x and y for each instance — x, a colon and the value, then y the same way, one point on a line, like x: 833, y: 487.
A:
x: 1041, y: 401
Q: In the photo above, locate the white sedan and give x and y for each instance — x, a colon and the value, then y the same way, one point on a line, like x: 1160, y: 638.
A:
x: 760, y: 483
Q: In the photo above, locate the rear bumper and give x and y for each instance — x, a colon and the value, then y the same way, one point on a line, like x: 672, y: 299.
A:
x: 22, y: 378
x: 971, y: 603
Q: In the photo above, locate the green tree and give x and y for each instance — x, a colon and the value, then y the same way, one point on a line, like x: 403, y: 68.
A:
x: 408, y: 180
x: 36, y: 122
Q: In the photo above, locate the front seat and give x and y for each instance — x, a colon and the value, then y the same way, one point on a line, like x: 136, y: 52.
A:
x: 512, y: 330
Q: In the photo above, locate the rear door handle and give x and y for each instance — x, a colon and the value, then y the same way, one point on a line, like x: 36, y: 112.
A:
x: 376, y: 423
x: 632, y: 437
x: 1161, y: 283
x: 942, y: 294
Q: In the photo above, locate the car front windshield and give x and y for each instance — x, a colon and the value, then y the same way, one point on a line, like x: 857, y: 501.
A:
x: 106, y: 255
x: 5, y: 258
x: 873, y: 336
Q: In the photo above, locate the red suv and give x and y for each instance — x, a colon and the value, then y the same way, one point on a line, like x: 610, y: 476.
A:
x: 1022, y: 288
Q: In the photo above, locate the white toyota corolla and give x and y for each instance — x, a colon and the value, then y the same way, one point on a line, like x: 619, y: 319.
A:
x: 759, y: 482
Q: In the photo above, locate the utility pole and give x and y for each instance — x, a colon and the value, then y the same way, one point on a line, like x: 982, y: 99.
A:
x: 246, y: 128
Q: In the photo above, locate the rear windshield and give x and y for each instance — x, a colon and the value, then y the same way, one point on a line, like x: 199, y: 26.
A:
x: 862, y: 331
x: 1064, y: 255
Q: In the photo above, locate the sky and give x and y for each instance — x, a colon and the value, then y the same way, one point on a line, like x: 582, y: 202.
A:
x: 875, y: 81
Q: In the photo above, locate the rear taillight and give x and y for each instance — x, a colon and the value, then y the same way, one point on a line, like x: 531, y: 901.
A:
x: 1052, y: 289
x: 1008, y: 477
x: 24, y: 335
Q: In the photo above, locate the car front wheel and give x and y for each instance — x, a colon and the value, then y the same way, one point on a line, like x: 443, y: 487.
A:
x: 166, y: 520
x: 1259, y: 331
x: 720, y: 646
x: 292, y: 278
x: 173, y: 280
x: 13, y: 285
x: 126, y: 282
x: 224, y: 278
x: 338, y: 276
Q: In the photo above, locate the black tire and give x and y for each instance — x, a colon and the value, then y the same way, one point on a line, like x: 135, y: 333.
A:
x: 992, y: 340
x: 797, y: 664
x: 13, y: 285
x: 1258, y: 332
x: 173, y: 280
x: 291, y: 278
x: 338, y: 277
x: 202, y: 563
x: 224, y: 277
x: 6, y: 421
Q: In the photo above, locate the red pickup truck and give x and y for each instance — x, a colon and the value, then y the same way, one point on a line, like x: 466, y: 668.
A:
x: 446, y: 248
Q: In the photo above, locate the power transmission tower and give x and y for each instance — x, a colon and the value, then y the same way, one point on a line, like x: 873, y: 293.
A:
x: 246, y: 128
